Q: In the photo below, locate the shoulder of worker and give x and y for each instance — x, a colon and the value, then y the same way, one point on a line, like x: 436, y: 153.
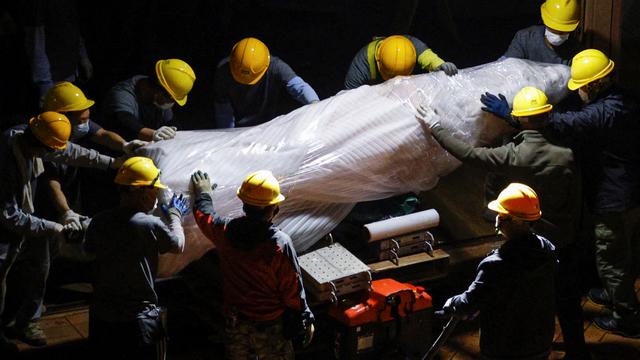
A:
x: 534, y: 31
x: 416, y: 42
x: 280, y: 237
x: 124, y: 91
x: 224, y: 63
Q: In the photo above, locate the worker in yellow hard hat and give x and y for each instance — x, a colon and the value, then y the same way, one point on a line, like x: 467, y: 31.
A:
x: 250, y: 85
x: 259, y: 259
x: 141, y: 107
x: 550, y: 42
x: 606, y: 129
x: 396, y: 55
x: 22, y: 151
x: 515, y: 284
x: 536, y: 158
x: 126, y: 241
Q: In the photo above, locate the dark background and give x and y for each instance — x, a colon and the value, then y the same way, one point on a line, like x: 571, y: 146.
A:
x: 317, y: 38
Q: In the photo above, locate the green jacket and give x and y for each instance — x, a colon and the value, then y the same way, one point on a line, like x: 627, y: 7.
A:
x: 531, y: 159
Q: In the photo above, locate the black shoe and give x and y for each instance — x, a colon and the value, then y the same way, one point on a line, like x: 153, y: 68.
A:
x: 599, y: 296
x: 608, y: 323
x: 31, y: 334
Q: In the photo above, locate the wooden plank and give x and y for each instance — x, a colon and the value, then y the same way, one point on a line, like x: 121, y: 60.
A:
x: 438, y: 255
x: 58, y: 330
x: 80, y: 321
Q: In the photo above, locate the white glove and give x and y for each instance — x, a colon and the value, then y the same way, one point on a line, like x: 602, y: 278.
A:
x: 72, y: 219
x: 427, y: 116
x: 130, y: 147
x: 448, y: 307
x: 448, y: 68
x: 164, y: 133
x: 86, y: 68
x: 62, y: 232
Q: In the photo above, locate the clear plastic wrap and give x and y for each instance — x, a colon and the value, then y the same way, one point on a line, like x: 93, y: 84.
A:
x: 359, y: 145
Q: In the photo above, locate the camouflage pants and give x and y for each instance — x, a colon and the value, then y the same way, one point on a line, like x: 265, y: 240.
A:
x: 253, y: 340
x: 617, y: 240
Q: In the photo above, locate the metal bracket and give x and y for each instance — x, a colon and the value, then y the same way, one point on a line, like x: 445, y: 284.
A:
x: 429, y: 243
x: 333, y: 295
x: 394, y: 252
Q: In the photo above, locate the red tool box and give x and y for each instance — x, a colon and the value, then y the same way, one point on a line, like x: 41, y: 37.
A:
x: 392, y: 317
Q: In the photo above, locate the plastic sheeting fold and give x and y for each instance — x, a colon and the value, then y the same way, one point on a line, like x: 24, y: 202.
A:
x: 359, y: 145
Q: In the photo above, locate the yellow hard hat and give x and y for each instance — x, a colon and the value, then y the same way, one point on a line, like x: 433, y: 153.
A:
x: 517, y: 201
x: 249, y: 60
x: 530, y: 101
x: 395, y: 56
x: 51, y: 129
x: 65, y: 97
x: 260, y: 189
x: 177, y: 77
x: 139, y: 171
x: 561, y: 15
x: 587, y: 66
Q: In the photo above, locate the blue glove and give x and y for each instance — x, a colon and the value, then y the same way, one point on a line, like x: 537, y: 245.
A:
x: 499, y: 107
x: 493, y: 104
x: 177, y: 205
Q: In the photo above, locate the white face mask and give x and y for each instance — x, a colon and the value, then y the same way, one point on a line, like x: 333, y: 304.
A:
x: 555, y: 39
x: 79, y: 131
x: 165, y: 106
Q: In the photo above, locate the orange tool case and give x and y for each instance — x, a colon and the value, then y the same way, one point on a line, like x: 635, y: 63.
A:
x: 393, y: 316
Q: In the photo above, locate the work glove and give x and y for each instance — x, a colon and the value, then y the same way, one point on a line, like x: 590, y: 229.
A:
x: 448, y: 307
x: 62, y: 233
x: 130, y: 147
x: 448, y: 68
x: 178, y: 205
x: 427, y: 117
x: 498, y: 106
x: 201, y: 183
x: 73, y: 219
x: 164, y: 133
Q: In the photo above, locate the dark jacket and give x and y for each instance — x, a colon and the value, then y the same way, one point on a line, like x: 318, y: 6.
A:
x: 531, y: 159
x: 605, y: 134
x: 260, y: 271
x: 514, y: 290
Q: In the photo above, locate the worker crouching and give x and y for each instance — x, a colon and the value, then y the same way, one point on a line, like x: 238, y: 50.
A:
x: 264, y: 299
x: 514, y: 285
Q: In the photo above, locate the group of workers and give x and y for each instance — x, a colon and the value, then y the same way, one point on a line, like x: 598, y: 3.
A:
x: 569, y: 169
x: 556, y: 159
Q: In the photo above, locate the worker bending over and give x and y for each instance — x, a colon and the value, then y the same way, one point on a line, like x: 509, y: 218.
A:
x: 264, y: 299
x: 396, y: 55
x: 249, y: 86
x: 125, y: 321
x: 23, y: 150
x: 514, y: 285
x: 141, y: 107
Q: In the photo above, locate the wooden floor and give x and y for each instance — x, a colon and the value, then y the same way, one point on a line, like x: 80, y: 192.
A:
x: 71, y: 328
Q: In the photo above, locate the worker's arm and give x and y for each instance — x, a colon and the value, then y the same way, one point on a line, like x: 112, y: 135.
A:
x: 170, y: 237
x: 301, y: 91
x: 295, y: 86
x: 108, y: 139
x: 131, y: 126
x: 290, y: 286
x: 427, y: 59
x: 580, y: 124
x: 359, y: 72
x: 13, y: 218
x: 480, y: 291
x: 57, y: 196
x: 207, y: 219
x: 517, y: 47
x: 492, y: 159
x: 76, y: 155
x: 224, y: 115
